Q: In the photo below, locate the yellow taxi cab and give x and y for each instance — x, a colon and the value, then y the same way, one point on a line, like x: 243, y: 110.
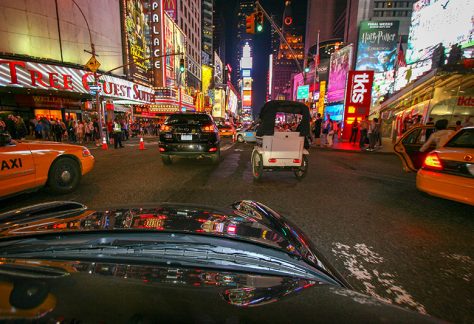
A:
x: 446, y: 172
x: 29, y: 165
x: 226, y: 130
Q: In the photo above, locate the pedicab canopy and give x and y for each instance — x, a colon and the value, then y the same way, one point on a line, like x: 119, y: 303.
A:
x: 271, y: 108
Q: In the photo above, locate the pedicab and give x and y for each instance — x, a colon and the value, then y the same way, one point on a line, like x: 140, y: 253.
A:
x: 281, y: 151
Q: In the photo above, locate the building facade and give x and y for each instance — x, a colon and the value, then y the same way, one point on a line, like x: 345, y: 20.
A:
x: 244, y: 8
x: 207, y: 30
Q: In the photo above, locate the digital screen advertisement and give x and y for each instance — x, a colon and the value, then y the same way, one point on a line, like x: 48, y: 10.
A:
x: 454, y: 24
x: 377, y: 46
x: 335, y: 112
x: 138, y: 46
x: 339, y: 65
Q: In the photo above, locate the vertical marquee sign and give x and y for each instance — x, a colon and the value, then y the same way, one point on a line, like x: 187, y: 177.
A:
x: 358, y: 98
x: 157, y: 42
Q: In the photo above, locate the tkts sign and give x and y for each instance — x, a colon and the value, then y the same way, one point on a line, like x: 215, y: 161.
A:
x: 359, y: 92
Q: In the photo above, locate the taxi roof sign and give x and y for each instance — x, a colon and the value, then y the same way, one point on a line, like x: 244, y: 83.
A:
x: 93, y: 65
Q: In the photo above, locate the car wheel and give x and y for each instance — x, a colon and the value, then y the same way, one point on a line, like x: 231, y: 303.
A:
x: 240, y: 139
x: 303, y: 169
x: 216, y: 158
x: 257, y: 165
x: 64, y: 175
x: 166, y: 159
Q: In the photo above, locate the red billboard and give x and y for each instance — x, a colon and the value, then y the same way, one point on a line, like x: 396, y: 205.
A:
x: 358, y: 98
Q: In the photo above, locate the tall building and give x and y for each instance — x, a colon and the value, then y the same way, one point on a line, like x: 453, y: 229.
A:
x: 284, y: 63
x: 244, y: 8
x: 219, y: 36
x: 188, y: 17
x: 207, y: 23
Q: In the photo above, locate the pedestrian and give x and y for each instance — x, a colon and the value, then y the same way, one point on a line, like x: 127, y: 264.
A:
x: 80, y: 131
x: 96, y: 132
x: 117, y: 131
x: 354, y: 130
x: 429, y: 131
x: 22, y: 130
x: 364, y: 127
x: 39, y: 130
x: 328, y: 129
x: 458, y: 125
x: 317, y: 128
x: 11, y: 126
x: 58, y: 131
x: 3, y: 126
x: 467, y: 122
x: 440, y: 137
x: 373, y: 133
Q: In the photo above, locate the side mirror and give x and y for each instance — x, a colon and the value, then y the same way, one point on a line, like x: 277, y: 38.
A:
x: 5, y: 139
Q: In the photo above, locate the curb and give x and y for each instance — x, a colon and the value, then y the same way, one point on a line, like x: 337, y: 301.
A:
x: 349, y: 151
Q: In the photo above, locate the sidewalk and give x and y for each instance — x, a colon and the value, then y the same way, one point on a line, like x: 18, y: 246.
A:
x: 387, y: 147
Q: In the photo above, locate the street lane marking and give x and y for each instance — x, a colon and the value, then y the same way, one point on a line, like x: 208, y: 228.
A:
x: 360, y: 260
x: 227, y: 146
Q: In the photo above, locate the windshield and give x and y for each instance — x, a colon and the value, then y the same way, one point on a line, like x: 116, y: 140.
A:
x: 188, y: 119
x: 464, y: 139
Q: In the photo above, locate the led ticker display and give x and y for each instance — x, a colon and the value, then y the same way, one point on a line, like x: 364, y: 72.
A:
x: 433, y: 22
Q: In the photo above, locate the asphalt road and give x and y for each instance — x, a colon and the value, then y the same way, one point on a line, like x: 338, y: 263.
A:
x: 361, y: 210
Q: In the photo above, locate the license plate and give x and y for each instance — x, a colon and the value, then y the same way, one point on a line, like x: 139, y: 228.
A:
x: 186, y: 137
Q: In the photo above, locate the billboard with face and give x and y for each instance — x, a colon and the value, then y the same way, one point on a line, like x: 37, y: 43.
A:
x: 339, y: 65
x: 137, y: 43
x: 377, y: 47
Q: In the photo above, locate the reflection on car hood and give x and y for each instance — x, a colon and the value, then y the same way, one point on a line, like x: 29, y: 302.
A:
x: 93, y: 292
x: 244, y: 220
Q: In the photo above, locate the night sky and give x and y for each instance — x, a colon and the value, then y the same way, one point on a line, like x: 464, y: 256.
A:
x: 262, y: 41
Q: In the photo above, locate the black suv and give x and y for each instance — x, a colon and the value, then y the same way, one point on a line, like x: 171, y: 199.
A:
x: 189, y: 135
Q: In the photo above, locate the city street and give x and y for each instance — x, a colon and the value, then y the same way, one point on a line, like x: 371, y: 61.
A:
x: 361, y: 210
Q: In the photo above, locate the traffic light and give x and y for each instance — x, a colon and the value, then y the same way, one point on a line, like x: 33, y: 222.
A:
x: 259, y: 21
x: 181, y: 65
x: 250, y: 24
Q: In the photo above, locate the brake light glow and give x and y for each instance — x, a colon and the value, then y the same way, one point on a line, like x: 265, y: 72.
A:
x: 272, y: 160
x: 165, y: 128
x: 297, y: 161
x: 207, y: 128
x: 162, y: 149
x: 231, y: 229
x: 433, y: 162
x: 213, y: 149
x: 86, y: 152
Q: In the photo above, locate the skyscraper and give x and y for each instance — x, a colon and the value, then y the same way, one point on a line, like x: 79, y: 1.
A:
x: 284, y: 62
x: 244, y: 8
x: 207, y: 30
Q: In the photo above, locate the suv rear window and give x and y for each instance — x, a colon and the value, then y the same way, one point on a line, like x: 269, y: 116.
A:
x: 465, y: 138
x: 189, y: 119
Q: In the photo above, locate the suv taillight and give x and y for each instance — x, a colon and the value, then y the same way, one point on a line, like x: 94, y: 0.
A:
x: 433, y: 162
x: 207, y: 128
x: 165, y: 128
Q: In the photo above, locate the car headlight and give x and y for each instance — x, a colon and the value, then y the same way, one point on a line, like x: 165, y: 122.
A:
x: 86, y: 152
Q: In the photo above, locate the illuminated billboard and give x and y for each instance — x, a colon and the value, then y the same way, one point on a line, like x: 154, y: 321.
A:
x: 232, y: 102
x: 302, y: 92
x: 218, y: 69
x: 247, y: 98
x: 339, y: 65
x: 247, y: 83
x: 174, y: 42
x: 218, y: 108
x: 377, y: 47
x: 169, y: 6
x: 434, y: 22
x: 137, y: 45
x: 206, y: 74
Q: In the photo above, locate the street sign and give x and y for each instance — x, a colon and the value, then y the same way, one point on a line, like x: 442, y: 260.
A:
x: 93, y: 65
x: 302, y: 92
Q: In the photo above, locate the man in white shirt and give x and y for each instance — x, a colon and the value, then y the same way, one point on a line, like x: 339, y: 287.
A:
x: 439, y: 137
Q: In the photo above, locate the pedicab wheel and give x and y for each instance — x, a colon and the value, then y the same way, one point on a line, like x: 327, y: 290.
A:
x: 166, y: 159
x: 303, y: 169
x: 240, y: 139
x: 257, y: 165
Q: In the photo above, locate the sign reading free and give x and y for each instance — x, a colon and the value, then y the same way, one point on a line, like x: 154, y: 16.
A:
x: 302, y: 92
x: 21, y: 74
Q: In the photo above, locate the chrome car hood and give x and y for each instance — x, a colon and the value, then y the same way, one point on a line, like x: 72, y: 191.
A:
x: 245, y: 220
